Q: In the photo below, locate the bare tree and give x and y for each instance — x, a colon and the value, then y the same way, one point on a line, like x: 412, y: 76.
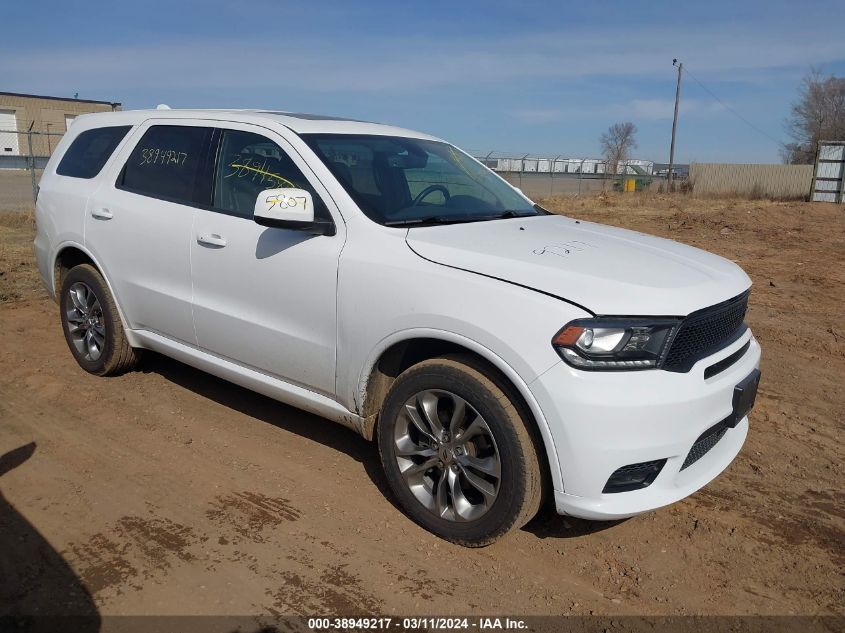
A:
x: 817, y: 115
x: 616, y: 144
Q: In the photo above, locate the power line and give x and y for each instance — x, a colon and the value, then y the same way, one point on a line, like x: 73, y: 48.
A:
x: 732, y: 111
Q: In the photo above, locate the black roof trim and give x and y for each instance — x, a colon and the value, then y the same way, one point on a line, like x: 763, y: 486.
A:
x: 310, y: 117
x: 20, y: 94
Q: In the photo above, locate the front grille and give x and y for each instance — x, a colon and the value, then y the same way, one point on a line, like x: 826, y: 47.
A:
x: 705, y: 332
x: 704, y: 444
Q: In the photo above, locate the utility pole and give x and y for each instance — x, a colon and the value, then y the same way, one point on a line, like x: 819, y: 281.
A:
x: 669, y: 176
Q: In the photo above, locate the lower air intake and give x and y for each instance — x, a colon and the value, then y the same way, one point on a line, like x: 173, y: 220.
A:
x: 704, y: 444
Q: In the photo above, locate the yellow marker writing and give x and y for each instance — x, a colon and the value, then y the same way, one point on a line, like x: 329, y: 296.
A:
x: 263, y: 173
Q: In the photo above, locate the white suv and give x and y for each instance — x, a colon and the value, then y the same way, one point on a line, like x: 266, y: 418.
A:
x: 386, y: 280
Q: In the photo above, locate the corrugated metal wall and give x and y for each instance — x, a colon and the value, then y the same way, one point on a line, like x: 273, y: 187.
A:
x: 773, y: 181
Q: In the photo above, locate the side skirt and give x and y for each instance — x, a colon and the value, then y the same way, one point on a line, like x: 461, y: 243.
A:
x: 252, y: 379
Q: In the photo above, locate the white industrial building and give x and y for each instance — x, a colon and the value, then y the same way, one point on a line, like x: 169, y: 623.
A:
x: 533, y: 164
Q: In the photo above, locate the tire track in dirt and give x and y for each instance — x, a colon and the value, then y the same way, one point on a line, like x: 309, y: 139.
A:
x: 133, y: 550
x: 138, y: 550
x: 249, y: 514
x: 306, y: 588
x: 335, y: 591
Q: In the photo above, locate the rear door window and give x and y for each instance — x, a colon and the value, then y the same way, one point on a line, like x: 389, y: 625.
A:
x: 90, y: 150
x: 168, y: 163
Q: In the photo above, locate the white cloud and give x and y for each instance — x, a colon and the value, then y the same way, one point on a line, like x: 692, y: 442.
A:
x: 656, y: 109
x: 634, y: 110
x: 416, y: 64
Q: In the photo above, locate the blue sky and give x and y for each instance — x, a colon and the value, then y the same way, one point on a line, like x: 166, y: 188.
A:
x: 515, y: 77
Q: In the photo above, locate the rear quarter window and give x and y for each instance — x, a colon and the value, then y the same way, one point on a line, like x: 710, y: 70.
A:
x: 90, y: 150
x: 167, y: 163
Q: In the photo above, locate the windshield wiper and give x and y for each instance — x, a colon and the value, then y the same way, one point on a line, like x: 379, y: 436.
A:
x: 458, y: 219
x: 435, y: 219
x: 510, y: 213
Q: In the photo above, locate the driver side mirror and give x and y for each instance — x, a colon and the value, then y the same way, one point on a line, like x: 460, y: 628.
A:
x: 288, y: 208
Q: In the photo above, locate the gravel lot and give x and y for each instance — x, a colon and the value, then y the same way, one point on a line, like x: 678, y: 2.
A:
x: 168, y: 491
x: 15, y: 190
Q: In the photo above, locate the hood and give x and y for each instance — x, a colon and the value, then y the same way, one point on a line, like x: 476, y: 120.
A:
x: 607, y: 270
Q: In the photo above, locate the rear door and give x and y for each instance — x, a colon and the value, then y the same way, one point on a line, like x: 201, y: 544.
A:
x: 138, y: 224
x: 265, y: 297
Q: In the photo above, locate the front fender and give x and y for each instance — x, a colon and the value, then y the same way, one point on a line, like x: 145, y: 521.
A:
x: 488, y: 355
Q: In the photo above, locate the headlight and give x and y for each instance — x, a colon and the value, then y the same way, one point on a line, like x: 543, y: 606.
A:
x: 609, y: 343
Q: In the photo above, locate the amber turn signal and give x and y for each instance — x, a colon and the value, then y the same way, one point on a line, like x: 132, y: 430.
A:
x: 568, y: 336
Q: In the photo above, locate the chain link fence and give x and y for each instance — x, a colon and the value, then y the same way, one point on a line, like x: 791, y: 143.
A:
x: 23, y: 155
x: 541, y: 176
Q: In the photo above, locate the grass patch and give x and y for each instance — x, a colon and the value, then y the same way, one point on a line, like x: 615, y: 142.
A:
x: 19, y: 277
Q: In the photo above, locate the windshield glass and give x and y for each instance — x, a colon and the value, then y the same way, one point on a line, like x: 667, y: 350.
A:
x: 405, y: 181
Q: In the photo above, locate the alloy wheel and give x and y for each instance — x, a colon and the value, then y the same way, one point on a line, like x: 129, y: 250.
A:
x: 85, y: 321
x: 447, y: 455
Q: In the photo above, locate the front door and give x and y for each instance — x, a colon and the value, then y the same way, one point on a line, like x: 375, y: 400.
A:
x: 265, y: 297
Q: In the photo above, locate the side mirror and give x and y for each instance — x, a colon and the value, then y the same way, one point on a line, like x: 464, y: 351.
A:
x: 289, y: 209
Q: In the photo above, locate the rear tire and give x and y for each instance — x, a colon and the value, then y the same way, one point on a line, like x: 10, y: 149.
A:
x: 459, y: 457
x: 91, y: 324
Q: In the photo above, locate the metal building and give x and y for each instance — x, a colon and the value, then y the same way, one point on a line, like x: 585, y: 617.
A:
x: 539, y: 165
x: 44, y: 119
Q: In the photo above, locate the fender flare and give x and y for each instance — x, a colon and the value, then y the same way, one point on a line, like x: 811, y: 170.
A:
x: 497, y: 361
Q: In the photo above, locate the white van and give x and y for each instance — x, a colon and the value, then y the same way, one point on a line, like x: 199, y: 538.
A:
x: 382, y: 278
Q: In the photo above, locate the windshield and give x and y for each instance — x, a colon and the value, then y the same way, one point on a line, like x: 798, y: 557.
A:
x: 401, y: 181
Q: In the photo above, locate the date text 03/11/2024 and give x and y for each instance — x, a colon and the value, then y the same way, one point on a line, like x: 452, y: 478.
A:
x: 416, y: 623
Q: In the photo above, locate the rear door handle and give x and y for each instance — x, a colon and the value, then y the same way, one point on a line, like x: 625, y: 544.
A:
x: 212, y: 239
x: 102, y: 214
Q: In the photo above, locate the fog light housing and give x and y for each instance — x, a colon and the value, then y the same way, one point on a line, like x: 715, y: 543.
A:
x: 634, y: 476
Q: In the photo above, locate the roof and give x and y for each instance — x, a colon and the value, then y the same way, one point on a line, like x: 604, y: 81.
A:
x: 301, y: 123
x: 26, y: 96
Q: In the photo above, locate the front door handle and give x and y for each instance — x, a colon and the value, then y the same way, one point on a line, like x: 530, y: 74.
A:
x: 212, y: 239
x: 102, y: 214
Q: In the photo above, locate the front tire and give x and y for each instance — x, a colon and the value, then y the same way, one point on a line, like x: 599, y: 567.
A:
x: 91, y: 324
x: 458, y: 455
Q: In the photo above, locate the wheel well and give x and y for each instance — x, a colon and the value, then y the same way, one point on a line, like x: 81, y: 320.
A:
x: 396, y: 359
x: 403, y: 355
x: 67, y: 259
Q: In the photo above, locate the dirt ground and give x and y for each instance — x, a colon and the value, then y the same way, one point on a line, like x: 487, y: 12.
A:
x: 168, y: 491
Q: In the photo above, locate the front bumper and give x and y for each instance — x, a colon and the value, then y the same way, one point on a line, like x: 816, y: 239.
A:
x: 602, y: 421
